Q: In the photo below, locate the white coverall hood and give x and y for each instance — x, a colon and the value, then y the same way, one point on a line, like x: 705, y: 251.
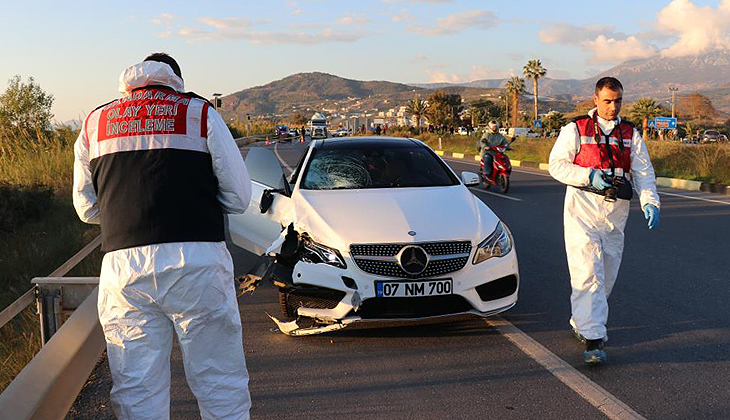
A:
x: 149, y: 73
x: 594, y: 228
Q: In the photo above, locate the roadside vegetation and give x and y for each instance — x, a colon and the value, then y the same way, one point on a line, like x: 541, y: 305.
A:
x: 39, y: 229
x: 699, y: 162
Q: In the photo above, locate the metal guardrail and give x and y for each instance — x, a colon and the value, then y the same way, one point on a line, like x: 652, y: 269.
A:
x: 50, y: 383
x: 47, y: 387
x: 30, y: 296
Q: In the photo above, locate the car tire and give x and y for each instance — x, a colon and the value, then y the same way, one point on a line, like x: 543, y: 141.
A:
x: 284, y: 307
x: 503, y: 183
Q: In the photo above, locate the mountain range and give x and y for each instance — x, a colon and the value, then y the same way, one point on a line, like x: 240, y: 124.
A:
x: 305, y: 93
x: 649, y: 77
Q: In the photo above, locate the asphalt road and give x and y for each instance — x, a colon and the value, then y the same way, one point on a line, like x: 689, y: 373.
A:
x: 669, y: 348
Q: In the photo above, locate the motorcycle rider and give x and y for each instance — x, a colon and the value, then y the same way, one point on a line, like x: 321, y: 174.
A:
x: 158, y: 168
x: 491, y: 138
x: 594, y: 222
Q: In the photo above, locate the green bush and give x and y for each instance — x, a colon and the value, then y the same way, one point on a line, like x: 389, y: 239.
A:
x: 21, y: 204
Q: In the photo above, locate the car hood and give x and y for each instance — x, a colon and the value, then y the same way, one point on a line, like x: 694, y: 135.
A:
x: 339, y: 218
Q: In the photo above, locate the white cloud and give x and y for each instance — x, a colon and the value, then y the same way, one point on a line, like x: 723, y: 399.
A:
x: 402, y: 17
x: 420, y: 57
x: 699, y: 29
x: 165, y: 19
x: 479, y: 19
x: 438, y: 76
x: 606, y: 45
x: 477, y: 72
x: 221, y: 29
x: 687, y: 28
x: 303, y: 38
x: 564, y: 33
x: 611, y: 50
x: 358, y: 19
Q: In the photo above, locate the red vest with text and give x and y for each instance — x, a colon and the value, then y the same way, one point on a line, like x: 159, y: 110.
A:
x: 152, y: 170
x: 594, y: 155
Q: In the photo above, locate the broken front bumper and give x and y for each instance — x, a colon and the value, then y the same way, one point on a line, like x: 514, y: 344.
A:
x: 483, y: 289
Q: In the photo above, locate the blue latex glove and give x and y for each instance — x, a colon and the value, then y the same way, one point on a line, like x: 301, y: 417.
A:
x: 651, y: 213
x: 596, y: 178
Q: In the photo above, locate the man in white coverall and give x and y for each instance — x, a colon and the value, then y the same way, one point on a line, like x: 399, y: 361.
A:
x: 596, y: 210
x: 158, y: 169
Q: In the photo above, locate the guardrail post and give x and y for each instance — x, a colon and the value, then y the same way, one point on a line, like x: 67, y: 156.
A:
x: 48, y: 308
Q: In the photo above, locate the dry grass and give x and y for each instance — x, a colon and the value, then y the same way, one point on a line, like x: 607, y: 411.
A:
x: 45, y: 161
x: 37, y: 247
x: 704, y: 162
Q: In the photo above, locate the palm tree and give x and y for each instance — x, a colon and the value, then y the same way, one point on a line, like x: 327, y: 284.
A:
x: 417, y: 107
x: 515, y: 87
x: 642, y: 110
x: 534, y: 70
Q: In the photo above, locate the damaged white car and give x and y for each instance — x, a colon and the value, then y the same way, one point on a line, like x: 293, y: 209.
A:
x: 374, y: 229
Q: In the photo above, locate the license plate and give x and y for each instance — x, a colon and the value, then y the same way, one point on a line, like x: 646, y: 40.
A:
x: 413, y: 288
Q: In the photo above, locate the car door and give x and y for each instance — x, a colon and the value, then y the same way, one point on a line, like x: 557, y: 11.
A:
x: 253, y: 230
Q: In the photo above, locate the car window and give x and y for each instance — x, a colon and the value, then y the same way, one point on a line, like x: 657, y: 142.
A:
x: 263, y: 167
x: 371, y: 166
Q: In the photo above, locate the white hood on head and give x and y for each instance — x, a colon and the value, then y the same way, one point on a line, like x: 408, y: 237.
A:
x: 149, y: 73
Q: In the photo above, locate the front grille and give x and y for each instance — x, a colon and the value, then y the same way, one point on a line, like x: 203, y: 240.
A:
x: 412, y: 307
x: 389, y: 267
x: 431, y: 248
x: 315, y: 298
x: 497, y: 289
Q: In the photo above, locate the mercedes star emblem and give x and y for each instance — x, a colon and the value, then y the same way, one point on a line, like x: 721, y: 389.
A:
x: 412, y: 259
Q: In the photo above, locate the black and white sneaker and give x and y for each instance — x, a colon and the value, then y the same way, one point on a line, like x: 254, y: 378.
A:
x: 594, y: 353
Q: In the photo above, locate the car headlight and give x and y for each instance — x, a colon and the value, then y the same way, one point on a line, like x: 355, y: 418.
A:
x: 316, y: 253
x: 498, y: 244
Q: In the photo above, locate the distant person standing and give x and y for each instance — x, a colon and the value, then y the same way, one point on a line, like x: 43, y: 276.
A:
x: 385, y: 130
x: 599, y: 156
x: 158, y: 169
x: 377, y: 130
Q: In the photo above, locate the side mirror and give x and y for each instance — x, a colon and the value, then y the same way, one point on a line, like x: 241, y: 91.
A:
x: 267, y: 198
x: 470, y: 179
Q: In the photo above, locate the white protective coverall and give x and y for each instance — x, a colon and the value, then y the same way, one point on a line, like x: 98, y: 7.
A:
x: 594, y: 228
x: 148, y: 292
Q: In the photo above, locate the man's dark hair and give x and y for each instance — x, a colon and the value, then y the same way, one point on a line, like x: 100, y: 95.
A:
x: 609, y: 82
x: 165, y: 58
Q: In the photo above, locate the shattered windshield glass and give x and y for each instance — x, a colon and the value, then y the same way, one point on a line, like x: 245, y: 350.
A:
x: 359, y: 166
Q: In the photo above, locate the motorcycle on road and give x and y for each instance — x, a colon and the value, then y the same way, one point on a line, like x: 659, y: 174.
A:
x: 501, y: 169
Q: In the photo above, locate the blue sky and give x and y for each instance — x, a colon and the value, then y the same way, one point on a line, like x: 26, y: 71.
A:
x: 76, y: 50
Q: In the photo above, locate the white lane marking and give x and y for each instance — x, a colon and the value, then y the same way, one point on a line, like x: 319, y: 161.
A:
x: 695, y: 198
x: 660, y: 192
x: 596, y: 395
x: 281, y: 160
x: 494, y: 194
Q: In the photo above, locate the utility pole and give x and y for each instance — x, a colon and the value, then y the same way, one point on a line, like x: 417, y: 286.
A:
x: 674, y: 91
